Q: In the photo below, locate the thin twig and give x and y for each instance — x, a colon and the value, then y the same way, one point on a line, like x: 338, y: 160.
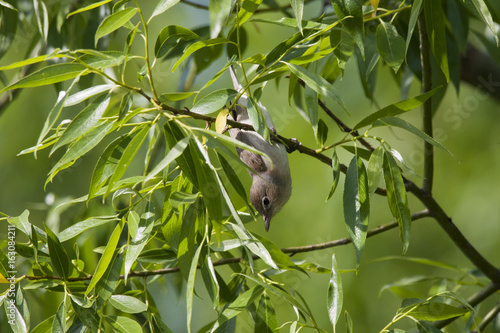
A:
x: 234, y: 260
x: 490, y: 316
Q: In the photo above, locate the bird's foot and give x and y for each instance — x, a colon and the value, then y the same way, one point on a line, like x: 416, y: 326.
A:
x: 295, y: 146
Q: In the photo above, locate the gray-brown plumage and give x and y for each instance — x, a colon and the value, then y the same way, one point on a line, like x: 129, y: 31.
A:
x: 271, y: 182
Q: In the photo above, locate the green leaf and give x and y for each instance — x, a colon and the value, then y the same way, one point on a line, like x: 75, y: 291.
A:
x: 123, y: 324
x: 298, y: 11
x: 83, y: 145
x: 102, y: 59
x: 106, y: 257
x: 415, y: 12
x: 162, y: 7
x: 292, y: 23
x: 317, y: 83
x: 80, y: 227
x: 128, y: 304
x: 335, y: 294
x: 322, y: 134
x: 397, y: 108
x: 434, y: 311
x: 198, y: 46
x: 88, y: 316
x: 17, y: 324
x: 396, y: 196
x: 7, y: 5
x: 267, y: 321
x: 49, y: 75
x: 390, y: 45
x: 397, y: 122
x: 247, y: 9
x: 45, y: 326
x: 173, y: 154
x: 240, y: 304
x: 214, y: 101
x: 59, y: 323
x: 219, y: 11
x: 113, y: 22
x: 109, y: 281
x: 58, y: 256
x: 190, y: 284
x: 375, y: 171
x: 354, y: 24
x: 336, y: 173
x: 34, y: 60
x: 311, y: 100
x: 435, y: 20
x: 21, y: 222
x: 84, y: 121
x: 42, y: 19
x: 356, y: 204
x: 485, y: 15
x: 89, y: 7
x: 170, y: 36
x: 136, y: 245
x: 133, y: 146
x: 85, y: 94
x: 234, y: 180
x: 257, y: 119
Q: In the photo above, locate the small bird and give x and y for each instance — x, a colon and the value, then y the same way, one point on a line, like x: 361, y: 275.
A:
x: 271, y: 182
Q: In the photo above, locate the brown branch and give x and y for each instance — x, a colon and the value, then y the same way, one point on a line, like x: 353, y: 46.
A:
x: 234, y: 260
x: 490, y: 316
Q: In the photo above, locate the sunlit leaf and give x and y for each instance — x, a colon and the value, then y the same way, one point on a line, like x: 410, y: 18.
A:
x: 163, y: 6
x: 390, y: 45
x: 128, y: 304
x: 336, y: 173
x: 375, y: 168
x: 173, y: 154
x: 335, y: 294
x: 214, y: 101
x: 435, y: 19
x: 248, y: 7
x: 170, y: 36
x: 298, y: 10
x: 219, y: 11
x: 354, y: 23
x: 198, y: 46
x: 123, y: 324
x: 85, y: 94
x: 113, y: 22
x: 89, y: 7
x: 415, y: 12
x: 79, y: 227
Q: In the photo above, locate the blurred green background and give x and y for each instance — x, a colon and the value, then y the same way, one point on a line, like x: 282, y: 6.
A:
x: 468, y: 187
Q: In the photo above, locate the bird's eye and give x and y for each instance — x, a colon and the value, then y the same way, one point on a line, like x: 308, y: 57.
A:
x: 265, y: 201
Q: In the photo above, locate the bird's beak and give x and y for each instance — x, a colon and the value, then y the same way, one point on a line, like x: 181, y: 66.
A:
x: 267, y: 222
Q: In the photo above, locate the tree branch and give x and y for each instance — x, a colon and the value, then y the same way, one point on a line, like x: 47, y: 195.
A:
x: 234, y: 260
x: 427, y: 115
x: 490, y: 316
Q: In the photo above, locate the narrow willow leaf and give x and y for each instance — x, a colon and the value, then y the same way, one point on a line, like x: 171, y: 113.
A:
x: 42, y: 19
x: 292, y: 23
x: 106, y: 257
x: 397, y: 122
x: 335, y: 294
x: 298, y: 11
x: 375, y: 168
x: 257, y: 118
x: 109, y: 281
x: 113, y: 22
x: 81, y: 147
x: 34, y: 60
x: 233, y: 178
x: 435, y: 20
x: 163, y: 6
x: 127, y: 304
x: 59, y: 323
x: 21, y: 222
x: 7, y: 5
x: 190, y: 284
x: 77, y: 228
x: 171, y: 35
x: 198, y: 46
x: 45, y: 326
x: 17, y: 324
x: 267, y: 321
x: 123, y: 324
x: 415, y: 12
x: 240, y: 304
x: 173, y: 154
x: 86, y: 94
x: 322, y: 134
x: 311, y: 100
x: 390, y: 45
x: 396, y: 196
x: 348, y: 320
x: 485, y: 14
x: 336, y: 173
x: 49, y: 75
x: 354, y: 24
x: 219, y: 11
x: 83, y: 122
x: 136, y: 245
x: 397, y: 108
x: 127, y: 156
x: 247, y: 9
x: 356, y: 204
x: 317, y: 83
x: 58, y: 256
x: 88, y: 316
x: 434, y: 311
x: 107, y: 163
x: 214, y: 101
x: 89, y: 7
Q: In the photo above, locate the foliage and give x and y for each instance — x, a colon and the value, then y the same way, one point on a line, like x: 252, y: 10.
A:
x: 179, y: 213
